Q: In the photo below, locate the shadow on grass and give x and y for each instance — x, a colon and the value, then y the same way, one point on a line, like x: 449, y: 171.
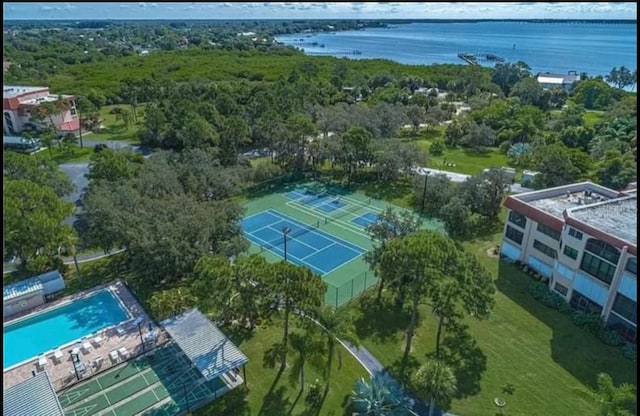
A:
x: 381, y: 322
x: 275, y: 403
x: 462, y: 353
x: 483, y: 228
x: 231, y: 404
x: 402, y: 370
x: 577, y: 351
x: 238, y: 334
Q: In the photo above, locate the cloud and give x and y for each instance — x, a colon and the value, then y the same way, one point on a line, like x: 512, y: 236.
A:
x: 142, y: 5
x: 191, y: 7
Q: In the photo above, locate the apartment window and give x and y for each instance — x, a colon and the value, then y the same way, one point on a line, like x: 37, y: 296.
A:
x: 545, y: 229
x: 624, y: 328
x: 582, y: 303
x: 545, y: 249
x: 514, y: 235
x: 604, y: 250
x: 625, y: 307
x: 72, y: 110
x: 598, y: 268
x: 632, y: 266
x: 518, y: 219
x: 570, y: 252
x: 563, y: 290
x: 575, y: 233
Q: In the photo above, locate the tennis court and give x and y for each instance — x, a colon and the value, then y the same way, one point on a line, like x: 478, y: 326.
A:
x: 328, y: 232
x: 306, y: 244
x: 166, y: 376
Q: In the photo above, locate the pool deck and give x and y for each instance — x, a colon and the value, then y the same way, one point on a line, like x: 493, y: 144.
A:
x: 62, y: 373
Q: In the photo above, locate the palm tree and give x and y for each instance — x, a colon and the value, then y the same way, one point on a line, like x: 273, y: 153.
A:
x: 612, y: 400
x: 307, y: 346
x: 69, y: 243
x: 337, y: 324
x: 380, y: 396
x: 435, y: 382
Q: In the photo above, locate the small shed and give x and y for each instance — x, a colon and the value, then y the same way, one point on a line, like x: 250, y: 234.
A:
x: 27, y: 294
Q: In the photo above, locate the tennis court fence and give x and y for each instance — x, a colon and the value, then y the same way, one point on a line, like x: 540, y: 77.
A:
x: 339, y: 295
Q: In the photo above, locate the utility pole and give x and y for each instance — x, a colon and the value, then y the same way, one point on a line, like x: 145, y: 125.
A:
x: 285, y: 231
x: 424, y: 191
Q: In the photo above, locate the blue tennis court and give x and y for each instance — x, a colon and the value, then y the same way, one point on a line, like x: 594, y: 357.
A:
x: 321, y: 202
x: 366, y: 219
x: 306, y: 245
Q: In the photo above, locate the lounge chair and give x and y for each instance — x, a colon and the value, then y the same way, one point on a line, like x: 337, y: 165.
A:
x: 57, y: 355
x: 114, y: 356
x: 97, y: 340
x: 86, y: 345
x: 120, y: 330
x: 123, y: 351
x: 42, y: 361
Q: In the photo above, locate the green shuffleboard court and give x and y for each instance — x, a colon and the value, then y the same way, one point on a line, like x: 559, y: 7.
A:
x: 166, y: 376
x: 325, y: 228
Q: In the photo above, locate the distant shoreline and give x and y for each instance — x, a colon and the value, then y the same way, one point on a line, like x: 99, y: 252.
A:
x: 386, y: 21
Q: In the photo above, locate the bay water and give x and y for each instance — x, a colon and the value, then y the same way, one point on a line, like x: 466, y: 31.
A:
x: 557, y: 47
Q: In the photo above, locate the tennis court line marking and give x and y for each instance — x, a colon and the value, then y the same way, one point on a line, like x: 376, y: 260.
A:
x: 279, y: 220
x: 331, y: 236
x: 255, y: 215
x: 289, y: 255
x: 298, y: 240
x: 346, y: 198
x: 318, y: 251
x: 337, y: 222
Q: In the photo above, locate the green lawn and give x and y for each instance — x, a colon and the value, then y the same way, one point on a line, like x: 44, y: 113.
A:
x: 76, y: 155
x: 269, y: 394
x: 536, y: 349
x: 591, y: 117
x: 115, y: 130
x: 466, y: 161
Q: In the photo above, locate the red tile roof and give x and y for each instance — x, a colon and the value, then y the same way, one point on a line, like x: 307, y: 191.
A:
x: 72, y: 125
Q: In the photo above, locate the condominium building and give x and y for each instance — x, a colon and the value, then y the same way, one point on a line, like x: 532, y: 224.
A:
x: 583, y: 238
x: 19, y: 102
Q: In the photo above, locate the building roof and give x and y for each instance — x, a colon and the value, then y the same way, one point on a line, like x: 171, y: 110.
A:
x: 72, y: 125
x: 28, y: 286
x: 559, y: 79
x: 35, y: 395
x: 617, y: 217
x: 555, y: 201
x: 11, y: 91
x: 205, y: 345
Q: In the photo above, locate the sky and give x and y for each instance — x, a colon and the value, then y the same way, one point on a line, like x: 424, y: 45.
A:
x: 318, y: 10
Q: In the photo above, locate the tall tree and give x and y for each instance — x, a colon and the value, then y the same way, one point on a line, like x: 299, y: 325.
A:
x: 336, y: 324
x: 294, y: 288
x: 41, y: 171
x: 414, y: 263
x: 388, y: 225
x: 32, y: 221
x: 436, y: 383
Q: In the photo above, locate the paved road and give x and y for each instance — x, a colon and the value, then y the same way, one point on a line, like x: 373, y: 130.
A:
x: 515, y: 188
x: 374, y: 366
x: 82, y: 258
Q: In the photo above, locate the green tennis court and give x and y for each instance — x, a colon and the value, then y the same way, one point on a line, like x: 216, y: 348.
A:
x: 166, y: 379
x: 328, y: 234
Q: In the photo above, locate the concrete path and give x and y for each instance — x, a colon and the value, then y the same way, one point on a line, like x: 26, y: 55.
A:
x: 82, y: 258
x: 372, y: 365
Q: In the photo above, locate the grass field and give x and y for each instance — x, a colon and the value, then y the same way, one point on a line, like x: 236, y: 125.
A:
x: 536, y: 349
x: 115, y: 130
x: 271, y: 395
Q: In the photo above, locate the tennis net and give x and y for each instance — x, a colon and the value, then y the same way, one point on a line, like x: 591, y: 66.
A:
x: 279, y: 242
x: 350, y: 209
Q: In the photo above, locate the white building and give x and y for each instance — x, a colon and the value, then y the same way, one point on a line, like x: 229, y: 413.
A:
x: 583, y: 238
x: 19, y: 102
x: 549, y: 81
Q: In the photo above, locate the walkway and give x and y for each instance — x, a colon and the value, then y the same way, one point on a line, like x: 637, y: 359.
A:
x: 372, y: 365
x: 81, y: 258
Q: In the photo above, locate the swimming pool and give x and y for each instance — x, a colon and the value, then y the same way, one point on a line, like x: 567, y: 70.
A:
x: 57, y: 327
